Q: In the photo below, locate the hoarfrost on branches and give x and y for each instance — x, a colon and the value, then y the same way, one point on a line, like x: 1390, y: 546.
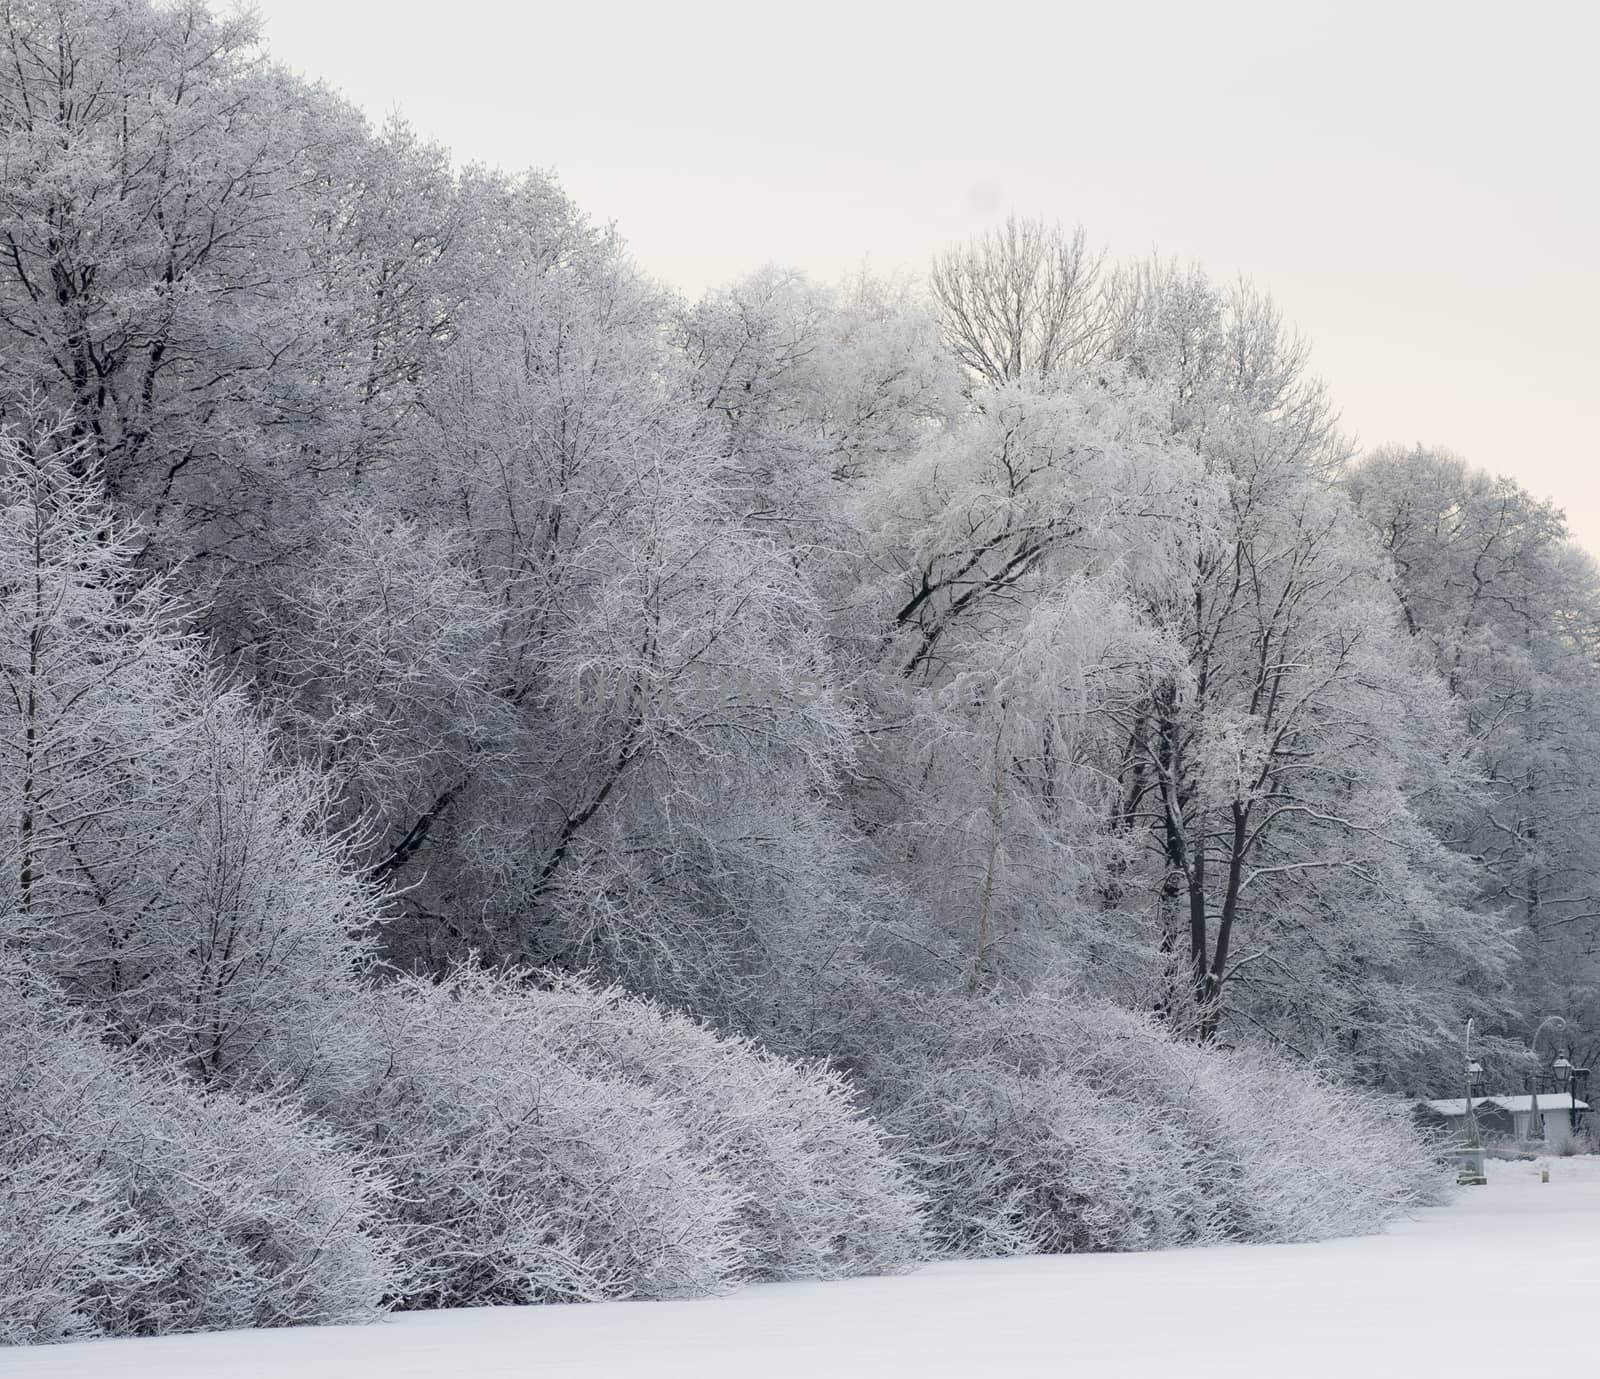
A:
x: 516, y: 786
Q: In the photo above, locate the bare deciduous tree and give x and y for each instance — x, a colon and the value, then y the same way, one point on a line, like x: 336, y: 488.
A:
x: 1021, y: 301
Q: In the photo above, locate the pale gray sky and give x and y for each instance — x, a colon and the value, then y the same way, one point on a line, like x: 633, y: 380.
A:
x: 1418, y: 181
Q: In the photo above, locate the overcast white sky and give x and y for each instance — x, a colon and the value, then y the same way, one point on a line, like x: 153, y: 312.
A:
x: 1417, y: 181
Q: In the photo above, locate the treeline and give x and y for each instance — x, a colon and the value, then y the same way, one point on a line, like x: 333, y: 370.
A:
x: 419, y: 628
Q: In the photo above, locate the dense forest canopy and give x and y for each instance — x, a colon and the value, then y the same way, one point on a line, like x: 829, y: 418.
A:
x: 946, y: 679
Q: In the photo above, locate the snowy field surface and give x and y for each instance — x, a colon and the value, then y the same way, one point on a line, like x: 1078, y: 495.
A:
x: 1505, y: 1277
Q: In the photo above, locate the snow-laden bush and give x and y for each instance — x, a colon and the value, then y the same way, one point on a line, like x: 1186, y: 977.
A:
x: 1019, y: 1163
x: 63, y: 1236
x: 521, y: 1176
x: 130, y: 1203
x: 819, y: 1194
x: 1282, y: 1153
x: 1052, y: 1122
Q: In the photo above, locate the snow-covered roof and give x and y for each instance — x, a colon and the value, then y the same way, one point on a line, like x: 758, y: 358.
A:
x: 1452, y: 1106
x: 1548, y: 1101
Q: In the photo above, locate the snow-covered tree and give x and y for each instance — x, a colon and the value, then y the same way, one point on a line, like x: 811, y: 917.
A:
x: 1508, y: 610
x: 657, y: 792
x: 1022, y: 301
x: 1004, y: 556
x: 1292, y: 772
x: 149, y: 215
x: 155, y: 857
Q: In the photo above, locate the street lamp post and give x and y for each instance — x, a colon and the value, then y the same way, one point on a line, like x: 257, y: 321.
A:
x: 1535, y: 1120
x: 1471, y: 1171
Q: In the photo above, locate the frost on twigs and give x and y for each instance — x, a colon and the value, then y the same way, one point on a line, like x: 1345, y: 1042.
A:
x: 580, y: 1145
x: 159, y: 859
x: 394, y: 576
x: 819, y: 1194
x: 1057, y: 1124
x: 133, y: 1203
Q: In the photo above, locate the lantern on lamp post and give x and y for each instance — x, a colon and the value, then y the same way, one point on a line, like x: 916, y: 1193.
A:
x: 1575, y: 1082
x: 1470, y: 1157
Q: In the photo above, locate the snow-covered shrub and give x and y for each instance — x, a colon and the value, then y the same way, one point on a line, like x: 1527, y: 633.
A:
x: 260, y: 1219
x: 819, y: 1194
x: 1053, y: 1122
x: 1019, y: 1163
x: 521, y: 1176
x: 132, y: 1203
x: 1578, y: 1143
x: 1281, y: 1152
x: 62, y: 1234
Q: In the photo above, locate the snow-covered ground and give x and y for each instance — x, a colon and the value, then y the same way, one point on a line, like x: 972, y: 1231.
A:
x: 1503, y: 1279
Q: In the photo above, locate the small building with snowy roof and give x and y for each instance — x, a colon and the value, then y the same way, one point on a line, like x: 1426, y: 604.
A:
x: 1510, y: 1117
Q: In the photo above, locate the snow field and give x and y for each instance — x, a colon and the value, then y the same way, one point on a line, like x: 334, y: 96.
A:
x: 1445, y: 1287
